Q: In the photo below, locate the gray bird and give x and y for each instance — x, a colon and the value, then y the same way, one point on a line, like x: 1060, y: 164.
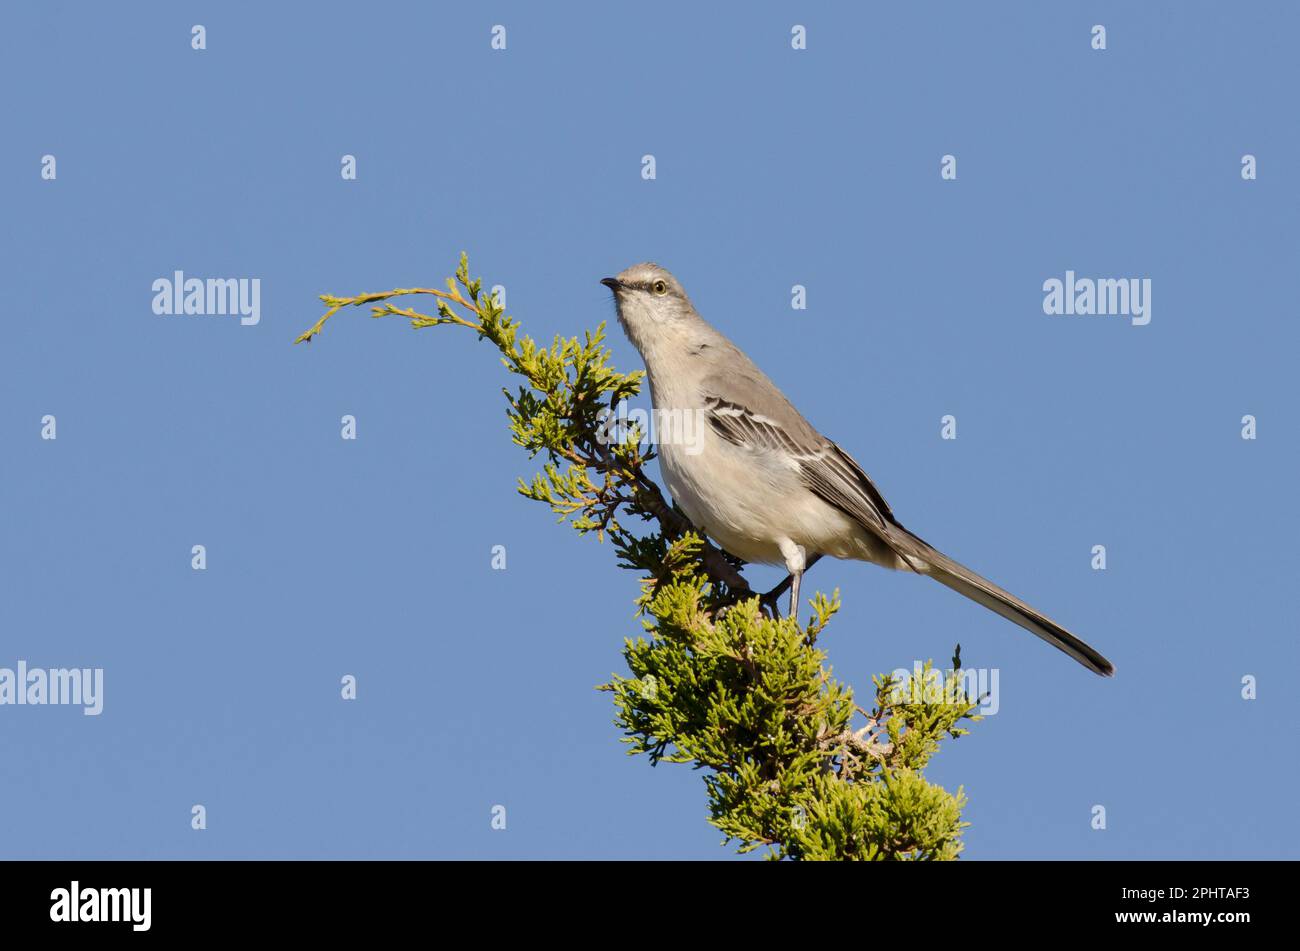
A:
x: 760, y: 480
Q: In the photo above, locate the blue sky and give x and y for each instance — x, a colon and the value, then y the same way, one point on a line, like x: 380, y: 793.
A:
x: 775, y: 167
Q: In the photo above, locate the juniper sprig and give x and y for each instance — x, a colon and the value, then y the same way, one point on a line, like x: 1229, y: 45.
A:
x: 794, y: 764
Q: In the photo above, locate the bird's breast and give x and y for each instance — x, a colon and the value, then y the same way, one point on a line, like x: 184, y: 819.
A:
x: 728, y: 494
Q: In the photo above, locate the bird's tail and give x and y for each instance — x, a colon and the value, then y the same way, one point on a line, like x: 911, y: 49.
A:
x: 964, y: 581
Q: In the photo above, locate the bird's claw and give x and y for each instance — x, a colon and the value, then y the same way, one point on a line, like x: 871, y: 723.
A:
x: 770, y: 603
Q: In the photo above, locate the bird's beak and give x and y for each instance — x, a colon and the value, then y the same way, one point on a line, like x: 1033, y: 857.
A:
x: 613, y: 283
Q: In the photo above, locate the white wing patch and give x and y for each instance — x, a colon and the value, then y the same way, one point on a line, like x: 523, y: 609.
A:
x: 825, y: 468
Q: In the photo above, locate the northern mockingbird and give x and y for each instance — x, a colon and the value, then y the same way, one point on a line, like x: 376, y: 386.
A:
x: 760, y: 480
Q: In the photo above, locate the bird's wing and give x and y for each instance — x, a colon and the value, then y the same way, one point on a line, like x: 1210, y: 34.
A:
x: 745, y: 408
x: 749, y: 411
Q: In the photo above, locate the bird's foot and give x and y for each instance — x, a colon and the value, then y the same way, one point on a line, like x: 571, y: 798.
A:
x: 770, y: 603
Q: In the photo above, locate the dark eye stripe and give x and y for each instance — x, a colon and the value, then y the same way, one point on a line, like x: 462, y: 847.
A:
x: 645, y: 285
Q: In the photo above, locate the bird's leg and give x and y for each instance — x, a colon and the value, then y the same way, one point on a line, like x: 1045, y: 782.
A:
x: 769, y: 599
x: 796, y: 562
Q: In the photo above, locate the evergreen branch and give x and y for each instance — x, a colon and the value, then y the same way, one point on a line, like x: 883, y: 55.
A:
x: 714, y: 681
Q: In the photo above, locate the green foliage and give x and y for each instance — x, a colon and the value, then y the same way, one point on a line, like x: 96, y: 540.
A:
x: 717, y: 680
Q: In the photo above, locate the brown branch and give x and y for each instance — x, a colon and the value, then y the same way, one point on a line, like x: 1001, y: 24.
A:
x: 650, y: 498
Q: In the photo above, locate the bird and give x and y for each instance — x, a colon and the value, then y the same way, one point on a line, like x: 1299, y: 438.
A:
x: 760, y: 480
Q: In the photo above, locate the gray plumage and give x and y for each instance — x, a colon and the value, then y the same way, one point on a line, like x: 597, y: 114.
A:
x: 760, y: 480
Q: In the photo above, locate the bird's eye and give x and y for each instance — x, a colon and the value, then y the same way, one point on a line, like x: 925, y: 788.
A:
x: 660, y: 287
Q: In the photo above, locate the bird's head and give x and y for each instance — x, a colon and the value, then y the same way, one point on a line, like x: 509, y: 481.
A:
x: 652, y: 306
